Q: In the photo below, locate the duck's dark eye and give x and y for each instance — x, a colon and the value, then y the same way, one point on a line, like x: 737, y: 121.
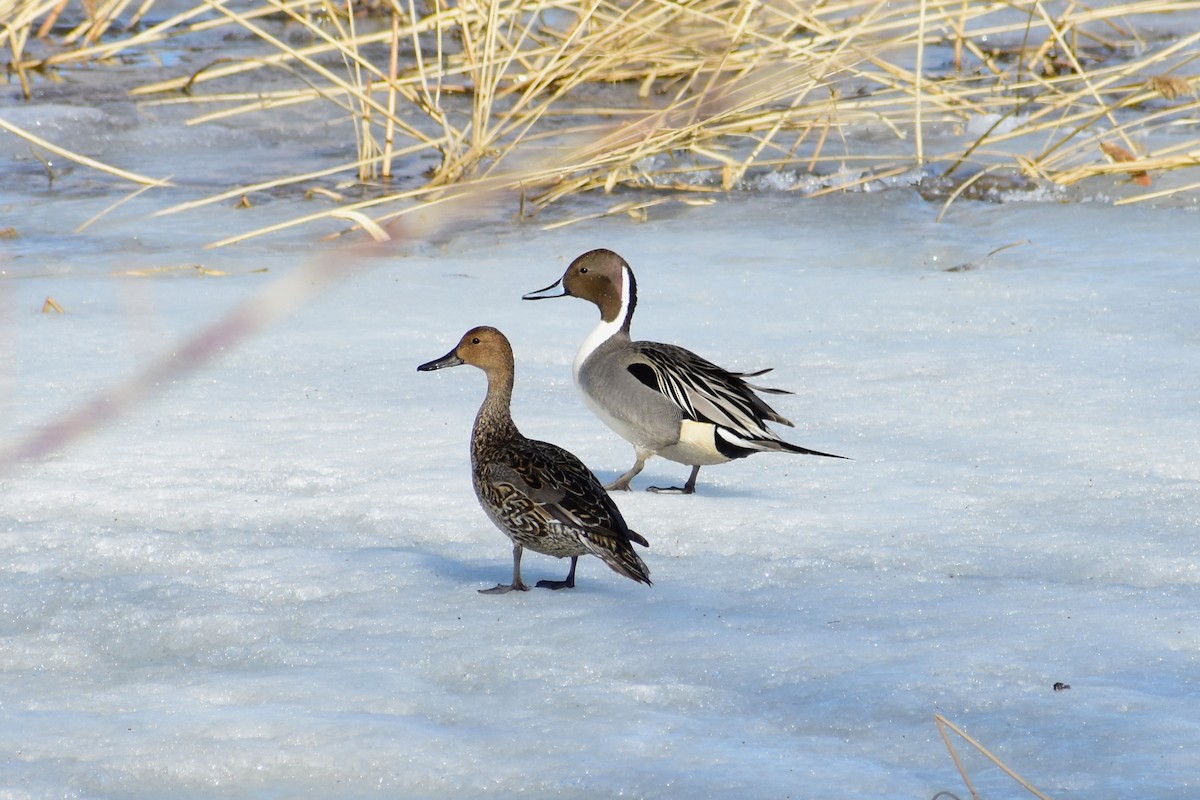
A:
x: 475, y: 340
x: 583, y: 270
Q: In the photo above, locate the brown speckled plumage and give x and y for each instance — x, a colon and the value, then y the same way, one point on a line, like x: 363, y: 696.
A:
x: 540, y: 495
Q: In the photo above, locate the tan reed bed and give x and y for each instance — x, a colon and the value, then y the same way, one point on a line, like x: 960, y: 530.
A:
x: 698, y: 97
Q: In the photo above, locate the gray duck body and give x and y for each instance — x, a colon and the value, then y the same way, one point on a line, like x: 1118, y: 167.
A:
x: 663, y: 399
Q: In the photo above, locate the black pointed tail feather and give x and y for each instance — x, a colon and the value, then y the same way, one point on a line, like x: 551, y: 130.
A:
x: 795, y: 448
x: 756, y: 387
x: 732, y: 445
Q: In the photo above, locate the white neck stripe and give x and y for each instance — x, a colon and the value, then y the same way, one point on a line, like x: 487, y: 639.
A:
x: 605, y: 330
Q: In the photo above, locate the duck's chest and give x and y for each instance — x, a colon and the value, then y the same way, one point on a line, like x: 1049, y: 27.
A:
x: 638, y: 413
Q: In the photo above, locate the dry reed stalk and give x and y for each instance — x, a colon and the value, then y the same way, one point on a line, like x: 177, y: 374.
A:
x: 943, y: 724
x: 919, y: 83
x: 389, y: 140
x: 51, y: 18
x: 268, y: 185
x: 1159, y: 195
x: 176, y: 26
x: 348, y: 51
x: 101, y: 18
x: 79, y: 158
x: 114, y: 206
x: 16, y: 41
x: 718, y: 90
x: 264, y: 101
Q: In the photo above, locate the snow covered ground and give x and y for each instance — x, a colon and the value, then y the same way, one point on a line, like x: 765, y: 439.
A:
x: 261, y: 583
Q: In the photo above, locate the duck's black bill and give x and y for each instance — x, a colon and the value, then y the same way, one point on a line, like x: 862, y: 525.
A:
x: 451, y: 359
x: 540, y: 294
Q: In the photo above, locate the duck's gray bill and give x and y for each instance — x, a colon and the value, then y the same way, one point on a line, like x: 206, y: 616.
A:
x: 448, y: 360
x: 540, y: 294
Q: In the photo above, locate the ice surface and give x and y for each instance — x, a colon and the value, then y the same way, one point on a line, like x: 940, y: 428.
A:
x: 262, y: 582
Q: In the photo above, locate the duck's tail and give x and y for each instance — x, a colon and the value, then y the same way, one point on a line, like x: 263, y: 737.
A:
x: 788, y: 447
x: 619, y: 555
x: 739, y: 444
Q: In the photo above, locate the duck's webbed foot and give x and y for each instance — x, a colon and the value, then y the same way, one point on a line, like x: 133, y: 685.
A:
x: 687, y: 488
x: 505, y: 588
x: 555, y: 584
x: 566, y: 583
x: 517, y: 584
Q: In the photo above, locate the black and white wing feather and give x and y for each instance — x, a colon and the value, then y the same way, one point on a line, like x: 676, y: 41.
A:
x: 705, y: 392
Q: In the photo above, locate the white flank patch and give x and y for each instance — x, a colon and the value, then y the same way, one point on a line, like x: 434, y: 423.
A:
x: 696, y: 445
x: 731, y: 436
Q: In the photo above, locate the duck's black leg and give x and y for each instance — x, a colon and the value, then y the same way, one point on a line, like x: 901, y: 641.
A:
x: 687, y: 488
x: 517, y: 584
x: 569, y: 583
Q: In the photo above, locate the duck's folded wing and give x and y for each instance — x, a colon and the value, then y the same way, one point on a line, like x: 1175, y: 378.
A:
x: 703, y: 391
x: 561, y: 486
x: 525, y: 481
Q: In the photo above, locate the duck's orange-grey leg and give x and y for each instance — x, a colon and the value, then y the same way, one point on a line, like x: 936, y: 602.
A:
x: 516, y: 585
x: 622, y: 483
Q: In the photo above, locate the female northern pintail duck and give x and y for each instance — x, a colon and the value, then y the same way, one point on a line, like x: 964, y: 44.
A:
x: 541, y: 496
x: 661, y: 398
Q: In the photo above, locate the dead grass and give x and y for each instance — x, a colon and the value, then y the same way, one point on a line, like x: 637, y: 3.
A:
x: 945, y: 727
x: 696, y: 97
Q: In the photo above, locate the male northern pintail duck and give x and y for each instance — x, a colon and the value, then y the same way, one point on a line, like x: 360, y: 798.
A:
x: 541, y: 496
x: 661, y: 398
